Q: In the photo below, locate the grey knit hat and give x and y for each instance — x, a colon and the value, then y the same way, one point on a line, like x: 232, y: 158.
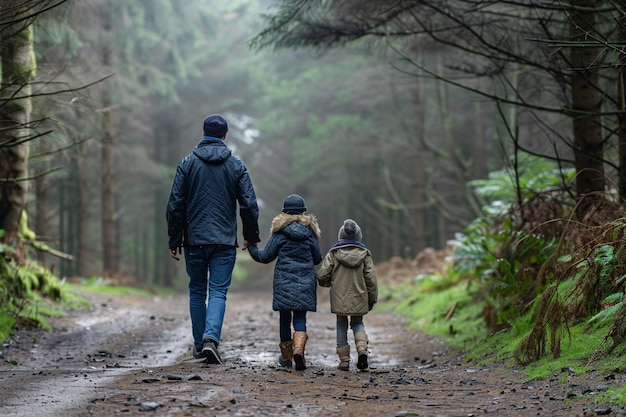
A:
x: 350, y: 231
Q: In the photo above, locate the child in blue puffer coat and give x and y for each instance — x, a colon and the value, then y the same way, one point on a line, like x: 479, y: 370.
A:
x: 294, y: 241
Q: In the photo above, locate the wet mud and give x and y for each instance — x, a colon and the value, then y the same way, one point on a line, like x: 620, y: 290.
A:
x: 131, y: 356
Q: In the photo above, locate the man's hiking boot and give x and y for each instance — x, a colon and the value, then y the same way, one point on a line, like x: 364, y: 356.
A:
x: 197, y: 354
x: 209, y: 351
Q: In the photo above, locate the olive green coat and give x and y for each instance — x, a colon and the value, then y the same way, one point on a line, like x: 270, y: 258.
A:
x: 348, y: 269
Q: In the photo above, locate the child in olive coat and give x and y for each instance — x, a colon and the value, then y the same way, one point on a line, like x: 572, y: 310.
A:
x: 294, y: 241
x: 348, y: 270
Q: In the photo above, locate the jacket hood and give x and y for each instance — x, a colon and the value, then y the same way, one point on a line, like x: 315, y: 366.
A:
x: 350, y: 255
x: 212, y: 151
x: 296, y: 226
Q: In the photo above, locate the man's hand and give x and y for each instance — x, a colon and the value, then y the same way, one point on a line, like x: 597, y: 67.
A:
x: 173, y: 253
x: 246, y: 244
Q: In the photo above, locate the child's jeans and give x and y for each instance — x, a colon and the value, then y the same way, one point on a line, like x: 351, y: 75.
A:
x: 356, y: 323
x: 299, y: 323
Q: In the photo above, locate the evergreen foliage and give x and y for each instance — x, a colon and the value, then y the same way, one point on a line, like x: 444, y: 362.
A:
x: 336, y: 128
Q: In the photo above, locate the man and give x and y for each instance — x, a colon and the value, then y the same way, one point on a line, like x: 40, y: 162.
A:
x: 202, y: 219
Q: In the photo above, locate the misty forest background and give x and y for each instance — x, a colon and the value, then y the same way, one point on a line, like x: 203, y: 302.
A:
x: 494, y: 128
x: 345, y: 129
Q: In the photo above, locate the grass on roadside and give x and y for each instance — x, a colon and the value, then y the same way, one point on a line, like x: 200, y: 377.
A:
x: 34, y: 311
x: 453, y: 314
x: 100, y: 286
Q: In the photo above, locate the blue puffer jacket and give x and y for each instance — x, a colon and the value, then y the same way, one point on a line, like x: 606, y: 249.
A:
x: 202, y: 208
x: 294, y: 241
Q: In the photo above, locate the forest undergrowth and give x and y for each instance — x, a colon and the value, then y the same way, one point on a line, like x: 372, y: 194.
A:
x: 531, y: 283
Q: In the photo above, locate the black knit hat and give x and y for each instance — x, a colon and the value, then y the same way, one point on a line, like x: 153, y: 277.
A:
x: 350, y: 231
x: 215, y: 126
x: 294, y: 204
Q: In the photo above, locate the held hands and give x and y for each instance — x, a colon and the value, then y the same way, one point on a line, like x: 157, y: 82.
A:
x: 173, y: 253
x: 246, y: 244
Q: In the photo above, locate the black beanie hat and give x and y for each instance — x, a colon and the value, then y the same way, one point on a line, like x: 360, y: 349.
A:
x: 215, y: 126
x: 294, y: 204
x: 350, y: 231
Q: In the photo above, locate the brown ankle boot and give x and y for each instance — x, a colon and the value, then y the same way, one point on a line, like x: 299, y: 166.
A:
x: 299, y: 342
x: 286, y: 353
x: 344, y: 358
x: 361, y: 341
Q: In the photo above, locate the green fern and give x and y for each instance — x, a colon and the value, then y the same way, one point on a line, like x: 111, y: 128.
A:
x: 618, y: 225
x: 605, y: 259
x: 493, y: 249
x: 614, y: 302
x: 534, y: 175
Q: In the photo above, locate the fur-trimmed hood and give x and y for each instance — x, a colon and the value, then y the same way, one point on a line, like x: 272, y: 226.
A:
x: 295, y: 247
x: 283, y: 220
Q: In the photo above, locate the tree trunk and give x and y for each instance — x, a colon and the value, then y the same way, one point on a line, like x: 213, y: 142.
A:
x: 82, y: 251
x: 621, y: 134
x: 621, y: 116
x: 109, y: 241
x: 420, y: 175
x: 18, y: 67
x: 41, y: 202
x: 479, y: 156
x: 586, y: 100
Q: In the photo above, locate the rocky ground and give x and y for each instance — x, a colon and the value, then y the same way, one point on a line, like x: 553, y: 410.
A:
x: 131, y: 356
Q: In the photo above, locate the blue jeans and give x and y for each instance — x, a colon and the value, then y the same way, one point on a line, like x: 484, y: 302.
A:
x: 208, y: 266
x: 299, y: 323
x: 356, y: 323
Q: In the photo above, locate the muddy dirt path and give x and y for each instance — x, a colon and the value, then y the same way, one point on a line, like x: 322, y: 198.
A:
x: 131, y: 356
